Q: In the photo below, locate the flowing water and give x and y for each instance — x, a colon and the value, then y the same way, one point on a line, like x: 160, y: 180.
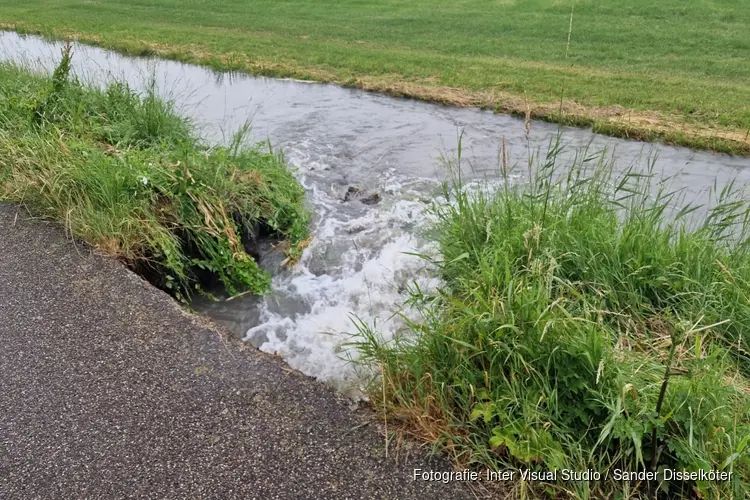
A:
x: 359, y: 261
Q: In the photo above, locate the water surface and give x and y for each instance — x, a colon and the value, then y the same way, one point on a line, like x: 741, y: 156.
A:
x: 356, y: 265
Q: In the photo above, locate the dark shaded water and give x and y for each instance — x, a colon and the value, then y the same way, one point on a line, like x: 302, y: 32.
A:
x: 336, y: 138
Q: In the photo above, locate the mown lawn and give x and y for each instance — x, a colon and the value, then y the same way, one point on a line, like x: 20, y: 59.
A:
x: 674, y: 70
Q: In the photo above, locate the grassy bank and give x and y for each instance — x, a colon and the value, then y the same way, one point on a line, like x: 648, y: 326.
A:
x: 578, y: 326
x: 126, y: 174
x: 670, y: 70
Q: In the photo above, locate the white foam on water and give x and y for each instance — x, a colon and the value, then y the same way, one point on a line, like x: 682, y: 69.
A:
x: 357, y: 267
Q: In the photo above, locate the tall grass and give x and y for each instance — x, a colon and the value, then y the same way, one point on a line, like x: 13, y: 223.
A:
x: 586, y: 320
x: 124, y: 172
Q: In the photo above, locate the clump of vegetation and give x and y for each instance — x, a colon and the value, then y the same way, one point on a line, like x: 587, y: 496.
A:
x: 125, y: 173
x: 585, y: 320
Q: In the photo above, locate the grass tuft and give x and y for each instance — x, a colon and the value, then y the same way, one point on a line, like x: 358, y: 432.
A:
x: 125, y: 173
x: 585, y: 320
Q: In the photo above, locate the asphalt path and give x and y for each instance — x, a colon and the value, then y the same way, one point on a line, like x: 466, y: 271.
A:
x: 109, y: 389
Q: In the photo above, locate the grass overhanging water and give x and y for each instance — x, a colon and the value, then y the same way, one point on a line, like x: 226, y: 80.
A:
x: 585, y: 321
x: 125, y: 173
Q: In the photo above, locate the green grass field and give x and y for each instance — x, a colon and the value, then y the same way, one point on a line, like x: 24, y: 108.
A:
x: 674, y: 70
